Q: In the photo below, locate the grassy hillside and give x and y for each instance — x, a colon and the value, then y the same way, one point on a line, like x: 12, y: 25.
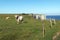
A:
x: 31, y: 29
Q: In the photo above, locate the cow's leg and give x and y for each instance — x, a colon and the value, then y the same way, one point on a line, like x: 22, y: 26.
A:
x: 22, y: 20
x: 17, y: 21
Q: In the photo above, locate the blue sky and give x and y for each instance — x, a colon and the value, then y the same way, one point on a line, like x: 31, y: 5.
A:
x: 49, y: 7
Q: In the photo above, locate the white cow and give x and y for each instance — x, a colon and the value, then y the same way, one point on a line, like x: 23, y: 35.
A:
x: 7, y: 18
x: 19, y: 18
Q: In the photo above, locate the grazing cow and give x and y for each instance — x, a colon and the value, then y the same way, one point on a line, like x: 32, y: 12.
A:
x: 36, y: 16
x: 19, y: 18
x: 7, y: 18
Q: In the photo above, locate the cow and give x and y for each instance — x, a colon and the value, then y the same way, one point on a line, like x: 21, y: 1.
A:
x: 19, y: 19
x: 7, y: 18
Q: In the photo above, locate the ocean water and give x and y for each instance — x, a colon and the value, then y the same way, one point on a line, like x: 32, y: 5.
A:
x: 57, y: 17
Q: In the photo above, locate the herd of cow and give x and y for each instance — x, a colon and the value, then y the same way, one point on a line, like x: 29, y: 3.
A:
x: 20, y: 19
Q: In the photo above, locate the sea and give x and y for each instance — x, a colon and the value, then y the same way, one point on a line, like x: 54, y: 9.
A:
x: 57, y: 17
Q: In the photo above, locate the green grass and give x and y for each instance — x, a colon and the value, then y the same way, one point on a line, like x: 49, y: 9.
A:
x: 31, y: 29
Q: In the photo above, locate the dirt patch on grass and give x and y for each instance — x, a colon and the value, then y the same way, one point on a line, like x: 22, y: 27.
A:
x: 56, y: 36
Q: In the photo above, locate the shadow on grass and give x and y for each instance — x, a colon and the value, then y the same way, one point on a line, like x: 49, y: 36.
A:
x: 23, y: 22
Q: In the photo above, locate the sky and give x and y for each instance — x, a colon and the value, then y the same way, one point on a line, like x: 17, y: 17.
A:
x: 48, y: 7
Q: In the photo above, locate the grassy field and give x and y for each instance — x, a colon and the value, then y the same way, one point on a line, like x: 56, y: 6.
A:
x: 31, y: 29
